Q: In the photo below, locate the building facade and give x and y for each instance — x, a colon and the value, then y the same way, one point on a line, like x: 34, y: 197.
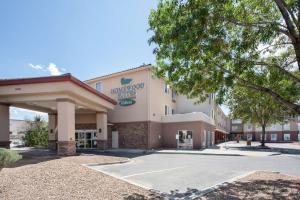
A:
x: 127, y: 109
x: 280, y: 132
x: 150, y: 115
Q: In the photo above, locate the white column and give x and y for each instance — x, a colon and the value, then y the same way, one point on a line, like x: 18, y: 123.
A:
x: 66, y: 127
x: 52, y: 131
x: 4, y: 126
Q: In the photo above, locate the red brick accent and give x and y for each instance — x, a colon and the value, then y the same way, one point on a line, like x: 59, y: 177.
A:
x: 155, y: 136
x: 66, y: 148
x: 5, y: 144
x: 132, y: 134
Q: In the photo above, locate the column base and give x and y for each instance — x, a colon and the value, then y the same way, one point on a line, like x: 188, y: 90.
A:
x: 66, y: 148
x: 102, y: 144
x: 52, y: 144
x: 5, y: 144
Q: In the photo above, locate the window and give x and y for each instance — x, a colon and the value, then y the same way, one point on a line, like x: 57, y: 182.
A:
x: 249, y: 137
x: 273, y: 137
x: 99, y: 87
x: 173, y: 112
x: 167, y: 110
x: 236, y: 121
x: 234, y: 128
x: 173, y: 96
x: 265, y: 136
x: 286, y: 127
x: 286, y: 137
x: 167, y: 88
x: 212, y: 114
x: 249, y: 127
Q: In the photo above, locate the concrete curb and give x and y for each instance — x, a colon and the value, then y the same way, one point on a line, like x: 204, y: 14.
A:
x: 109, y: 163
x: 198, y: 153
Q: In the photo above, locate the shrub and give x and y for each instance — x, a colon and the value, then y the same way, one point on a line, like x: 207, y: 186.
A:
x: 8, y: 157
x: 37, y: 133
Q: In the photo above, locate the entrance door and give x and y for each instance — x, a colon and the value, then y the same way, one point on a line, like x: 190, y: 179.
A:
x: 299, y: 137
x: 86, y: 139
x: 115, y: 139
x: 185, y: 139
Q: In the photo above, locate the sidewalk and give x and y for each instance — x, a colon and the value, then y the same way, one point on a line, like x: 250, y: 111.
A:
x: 209, y: 151
x: 285, y: 148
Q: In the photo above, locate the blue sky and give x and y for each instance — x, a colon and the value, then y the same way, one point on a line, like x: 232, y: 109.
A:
x: 85, y: 38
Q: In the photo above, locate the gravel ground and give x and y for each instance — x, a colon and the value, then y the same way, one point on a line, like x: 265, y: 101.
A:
x: 260, y: 185
x: 51, y: 177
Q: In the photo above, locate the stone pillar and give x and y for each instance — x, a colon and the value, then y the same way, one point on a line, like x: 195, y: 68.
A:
x: 101, y: 121
x: 4, y: 126
x: 52, y: 131
x: 66, y: 127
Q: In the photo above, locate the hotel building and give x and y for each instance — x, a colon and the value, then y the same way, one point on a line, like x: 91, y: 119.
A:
x: 127, y: 109
x: 280, y: 132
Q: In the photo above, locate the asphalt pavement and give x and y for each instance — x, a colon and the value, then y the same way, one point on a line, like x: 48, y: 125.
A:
x: 169, y: 173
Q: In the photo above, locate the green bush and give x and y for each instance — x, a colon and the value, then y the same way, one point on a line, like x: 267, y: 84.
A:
x: 37, y: 133
x: 7, y: 157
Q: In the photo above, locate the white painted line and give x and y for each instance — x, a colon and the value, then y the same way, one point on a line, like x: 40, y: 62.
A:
x: 118, y: 177
x: 150, y: 172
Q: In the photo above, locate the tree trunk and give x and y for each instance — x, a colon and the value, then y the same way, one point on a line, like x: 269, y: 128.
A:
x: 263, y: 135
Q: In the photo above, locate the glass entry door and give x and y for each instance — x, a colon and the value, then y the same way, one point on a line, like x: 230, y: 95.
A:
x: 184, y: 139
x: 86, y: 139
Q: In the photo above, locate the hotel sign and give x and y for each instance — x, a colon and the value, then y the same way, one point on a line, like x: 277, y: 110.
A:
x: 127, y: 92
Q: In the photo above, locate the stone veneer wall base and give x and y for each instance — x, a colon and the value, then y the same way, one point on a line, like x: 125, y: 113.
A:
x: 52, y: 144
x: 66, y: 148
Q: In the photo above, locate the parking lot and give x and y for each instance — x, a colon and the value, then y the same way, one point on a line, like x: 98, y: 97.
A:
x: 178, y: 172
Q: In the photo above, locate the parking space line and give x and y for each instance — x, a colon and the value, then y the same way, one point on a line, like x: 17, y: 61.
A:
x: 150, y: 172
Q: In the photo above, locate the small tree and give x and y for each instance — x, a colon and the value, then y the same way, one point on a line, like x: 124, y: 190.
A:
x: 37, y: 134
x: 255, y: 107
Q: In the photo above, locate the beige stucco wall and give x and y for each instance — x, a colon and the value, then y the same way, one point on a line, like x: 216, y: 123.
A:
x: 131, y: 113
x: 159, y: 99
x: 85, y: 118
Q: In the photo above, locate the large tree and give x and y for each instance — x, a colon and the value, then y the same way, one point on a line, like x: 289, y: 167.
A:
x: 256, y: 108
x: 209, y: 46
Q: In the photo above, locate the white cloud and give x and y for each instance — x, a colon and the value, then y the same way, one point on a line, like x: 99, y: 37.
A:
x: 37, y: 67
x: 53, y: 69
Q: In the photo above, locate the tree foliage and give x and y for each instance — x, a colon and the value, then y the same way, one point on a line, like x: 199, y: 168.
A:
x: 210, y: 46
x: 37, y: 133
x: 256, y: 108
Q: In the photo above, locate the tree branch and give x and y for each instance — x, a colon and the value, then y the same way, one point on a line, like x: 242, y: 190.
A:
x: 277, y: 97
x: 283, y: 10
x: 289, y: 74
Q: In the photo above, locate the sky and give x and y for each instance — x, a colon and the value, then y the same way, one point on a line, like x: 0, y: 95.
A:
x: 84, y: 38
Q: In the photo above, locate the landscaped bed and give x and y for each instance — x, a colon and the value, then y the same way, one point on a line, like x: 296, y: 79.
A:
x: 259, y: 185
x: 51, y: 177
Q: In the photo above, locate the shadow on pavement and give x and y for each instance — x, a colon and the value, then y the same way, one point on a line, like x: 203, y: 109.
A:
x: 257, y: 189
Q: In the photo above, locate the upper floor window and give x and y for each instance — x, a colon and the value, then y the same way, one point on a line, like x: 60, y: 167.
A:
x: 167, y: 88
x: 99, y: 87
x: 286, y: 127
x: 173, y: 96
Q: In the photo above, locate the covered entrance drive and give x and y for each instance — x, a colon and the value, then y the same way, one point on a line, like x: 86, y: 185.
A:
x: 67, y: 101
